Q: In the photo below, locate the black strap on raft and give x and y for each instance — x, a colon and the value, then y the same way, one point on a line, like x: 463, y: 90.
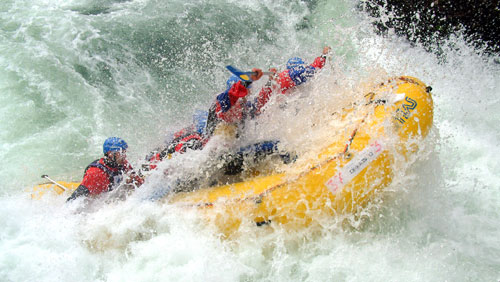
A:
x: 262, y: 223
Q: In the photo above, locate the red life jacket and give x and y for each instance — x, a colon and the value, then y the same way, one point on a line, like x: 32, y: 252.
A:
x: 286, y: 81
x: 106, y: 180
x: 186, y: 138
x: 229, y: 106
x: 192, y: 141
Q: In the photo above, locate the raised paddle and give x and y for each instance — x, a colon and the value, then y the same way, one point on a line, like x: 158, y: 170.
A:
x: 57, y: 184
x: 245, y: 75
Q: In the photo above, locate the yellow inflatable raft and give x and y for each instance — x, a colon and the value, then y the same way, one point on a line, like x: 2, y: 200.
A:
x: 59, y: 188
x: 345, y: 175
x: 384, y: 129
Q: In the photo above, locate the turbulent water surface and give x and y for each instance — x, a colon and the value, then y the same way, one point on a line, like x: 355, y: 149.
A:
x: 75, y: 72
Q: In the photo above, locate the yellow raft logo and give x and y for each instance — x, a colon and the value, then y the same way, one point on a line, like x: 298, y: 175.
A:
x: 404, y: 113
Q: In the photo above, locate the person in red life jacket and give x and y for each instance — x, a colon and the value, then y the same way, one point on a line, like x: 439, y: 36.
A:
x: 107, y: 173
x: 231, y: 106
x: 296, y: 73
x: 191, y: 137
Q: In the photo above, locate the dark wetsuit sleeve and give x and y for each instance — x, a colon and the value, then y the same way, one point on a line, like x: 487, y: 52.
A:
x: 80, y: 191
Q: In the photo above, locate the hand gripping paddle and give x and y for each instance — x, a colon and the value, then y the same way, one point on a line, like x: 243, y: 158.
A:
x: 245, y: 75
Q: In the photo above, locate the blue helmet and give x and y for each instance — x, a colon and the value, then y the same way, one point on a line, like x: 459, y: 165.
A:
x: 114, y: 144
x: 232, y: 80
x: 294, y: 63
x: 298, y: 70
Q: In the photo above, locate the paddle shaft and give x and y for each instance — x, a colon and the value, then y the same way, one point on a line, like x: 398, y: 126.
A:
x: 57, y: 184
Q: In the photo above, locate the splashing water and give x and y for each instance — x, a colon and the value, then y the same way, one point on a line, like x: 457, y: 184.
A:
x: 76, y: 72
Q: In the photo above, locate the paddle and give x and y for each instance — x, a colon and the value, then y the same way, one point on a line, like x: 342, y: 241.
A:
x: 57, y: 184
x: 244, y: 75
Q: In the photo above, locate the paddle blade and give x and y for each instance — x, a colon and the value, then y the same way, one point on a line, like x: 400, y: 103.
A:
x: 241, y: 74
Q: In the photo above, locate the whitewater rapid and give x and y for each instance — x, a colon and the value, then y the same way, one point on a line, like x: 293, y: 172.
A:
x: 75, y: 72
